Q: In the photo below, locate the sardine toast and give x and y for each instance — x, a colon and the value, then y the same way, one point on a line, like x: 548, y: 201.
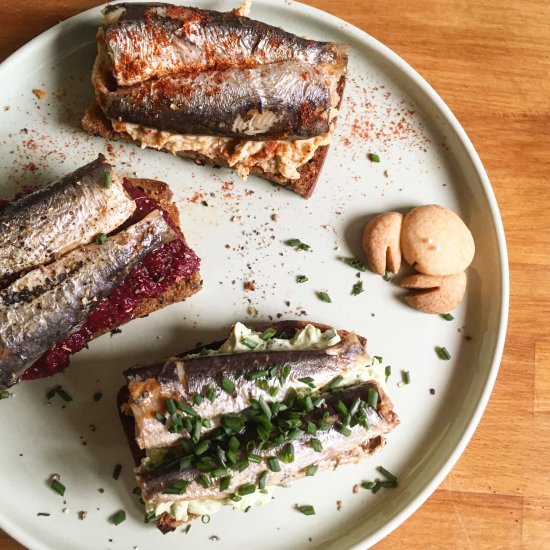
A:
x: 225, y: 424
x: 82, y: 256
x: 219, y: 88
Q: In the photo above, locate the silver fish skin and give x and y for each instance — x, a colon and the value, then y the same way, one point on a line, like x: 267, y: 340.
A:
x: 49, y: 303
x: 55, y: 219
x: 182, y: 378
x: 288, y: 100
x: 337, y: 449
x: 146, y: 41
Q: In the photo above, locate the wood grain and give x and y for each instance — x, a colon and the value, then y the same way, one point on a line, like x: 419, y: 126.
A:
x: 490, y: 61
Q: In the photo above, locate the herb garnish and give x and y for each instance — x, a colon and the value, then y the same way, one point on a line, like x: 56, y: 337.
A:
x: 101, y: 238
x: 4, y: 394
x: 447, y: 316
x: 357, y: 288
x: 373, y: 157
x: 249, y: 343
x: 119, y: 517
x: 298, y: 245
x: 387, y: 372
x: 107, y: 179
x: 405, y: 377
x: 227, y: 385
x: 116, y: 471
x: 442, y: 353
x: 97, y: 396
x: 325, y: 297
x: 301, y: 279
x: 57, y: 486
x: 268, y: 334
x: 356, y: 264
x: 306, y: 509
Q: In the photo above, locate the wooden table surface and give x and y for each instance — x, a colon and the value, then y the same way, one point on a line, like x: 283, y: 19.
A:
x: 490, y: 61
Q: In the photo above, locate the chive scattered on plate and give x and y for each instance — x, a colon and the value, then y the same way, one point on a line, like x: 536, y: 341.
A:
x: 306, y: 509
x: 405, y: 377
x: 107, y: 179
x: 357, y: 288
x: 325, y: 297
x: 301, y: 279
x: 373, y: 157
x: 116, y: 471
x: 101, y: 238
x: 442, y: 353
x: 447, y: 316
x: 58, y: 487
x: 119, y: 517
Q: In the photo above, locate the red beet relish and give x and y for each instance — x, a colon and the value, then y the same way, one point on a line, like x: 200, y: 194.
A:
x: 149, y: 279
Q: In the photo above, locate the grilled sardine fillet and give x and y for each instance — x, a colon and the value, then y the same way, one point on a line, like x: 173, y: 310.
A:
x: 182, y: 379
x: 47, y: 304
x: 145, y: 41
x: 288, y: 100
x: 342, y: 427
x: 53, y: 220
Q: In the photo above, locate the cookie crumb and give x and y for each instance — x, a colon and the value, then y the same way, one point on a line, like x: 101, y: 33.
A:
x: 40, y: 94
x: 82, y: 515
x: 432, y: 391
x: 356, y: 488
x: 250, y: 285
x: 275, y: 217
x: 339, y: 505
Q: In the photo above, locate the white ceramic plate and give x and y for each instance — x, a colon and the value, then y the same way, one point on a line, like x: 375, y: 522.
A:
x: 425, y: 158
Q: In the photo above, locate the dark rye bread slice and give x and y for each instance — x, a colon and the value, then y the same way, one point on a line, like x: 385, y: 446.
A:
x: 95, y: 122
x: 160, y: 193
x: 166, y: 523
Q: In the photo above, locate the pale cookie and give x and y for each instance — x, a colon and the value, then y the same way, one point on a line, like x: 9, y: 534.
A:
x: 381, y: 242
x: 435, y: 293
x: 435, y: 241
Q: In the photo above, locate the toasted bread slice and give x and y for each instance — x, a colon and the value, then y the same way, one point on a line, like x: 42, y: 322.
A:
x: 160, y: 193
x: 95, y: 122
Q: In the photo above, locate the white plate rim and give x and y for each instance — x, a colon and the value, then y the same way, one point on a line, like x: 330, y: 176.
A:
x: 454, y: 126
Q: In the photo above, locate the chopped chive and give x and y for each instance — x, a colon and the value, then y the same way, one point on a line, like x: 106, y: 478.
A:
x: 249, y: 343
x: 311, y: 428
x: 311, y: 470
x: 447, y: 316
x: 373, y: 157
x: 356, y: 264
x: 233, y: 422
x: 186, y: 530
x: 368, y: 485
x: 227, y: 385
x: 205, y: 480
x: 58, y: 487
x: 387, y: 372
x: 287, y: 453
x: 306, y: 509
x: 265, y: 407
x: 119, y: 517
x: 101, y: 238
x: 197, y: 429
x: 234, y: 443
x: 97, y: 396
x: 254, y: 458
x: 171, y: 405
x: 186, y: 462
x: 316, y: 445
x: 378, y: 358
x: 386, y: 473
x: 50, y: 393
x: 246, y: 489
x: 136, y: 491
x: 388, y: 484
x: 235, y: 498
x: 116, y: 471
x: 308, y: 381
x: 224, y: 483
x: 210, y: 393
x: 185, y: 408
x: 318, y: 402
x: 256, y: 375
x: 273, y: 464
x: 285, y: 372
x: 442, y: 353
x: 341, y: 408
x: 205, y: 518
x: 377, y: 486
x: 344, y: 431
x: 63, y: 394
x: 262, y: 479
x: 405, y: 377
x: 202, y: 447
x: 357, y: 288
x: 150, y: 517
x: 268, y: 334
x: 161, y: 418
x: 335, y: 382
x: 308, y: 404
x: 107, y: 179
x: 295, y: 433
x: 372, y: 398
x: 43, y: 514
x: 247, y: 509
x: 298, y: 244
x: 301, y: 279
x: 273, y: 391
x: 177, y: 488
x: 325, y: 297
x: 197, y: 399
x: 388, y: 276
